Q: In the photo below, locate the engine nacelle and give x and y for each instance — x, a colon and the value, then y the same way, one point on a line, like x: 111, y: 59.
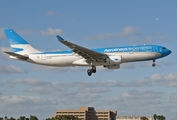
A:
x: 115, y: 66
x: 112, y: 60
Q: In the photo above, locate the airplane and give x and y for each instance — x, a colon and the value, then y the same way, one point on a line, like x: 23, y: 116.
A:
x: 110, y: 58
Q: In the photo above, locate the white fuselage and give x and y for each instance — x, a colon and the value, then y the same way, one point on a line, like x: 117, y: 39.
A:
x: 73, y: 59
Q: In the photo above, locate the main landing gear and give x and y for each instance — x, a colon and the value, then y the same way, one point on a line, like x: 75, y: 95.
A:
x: 92, y: 70
x: 153, y: 64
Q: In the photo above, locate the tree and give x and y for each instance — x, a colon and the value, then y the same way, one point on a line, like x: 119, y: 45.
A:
x: 144, y: 118
x: 155, y: 116
x: 33, y: 117
x: 65, y: 117
x: 1, y: 118
x: 12, y: 118
x: 22, y: 118
x: 48, y: 119
x: 5, y: 118
x: 159, y: 117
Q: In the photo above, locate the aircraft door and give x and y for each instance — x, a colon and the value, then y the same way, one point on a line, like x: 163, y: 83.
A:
x: 131, y: 55
x: 43, y: 57
x: 155, y: 49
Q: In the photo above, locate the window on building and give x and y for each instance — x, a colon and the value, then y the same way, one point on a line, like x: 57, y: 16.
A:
x: 100, y: 112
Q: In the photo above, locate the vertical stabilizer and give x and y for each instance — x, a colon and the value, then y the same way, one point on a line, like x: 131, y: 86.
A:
x: 18, y: 44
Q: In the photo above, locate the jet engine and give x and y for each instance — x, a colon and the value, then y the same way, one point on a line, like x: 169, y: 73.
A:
x: 113, y: 62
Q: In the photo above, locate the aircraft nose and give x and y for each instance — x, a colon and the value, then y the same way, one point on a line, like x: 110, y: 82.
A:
x: 169, y: 52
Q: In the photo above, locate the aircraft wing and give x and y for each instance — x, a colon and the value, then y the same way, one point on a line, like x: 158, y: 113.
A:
x: 86, y: 53
x: 23, y: 57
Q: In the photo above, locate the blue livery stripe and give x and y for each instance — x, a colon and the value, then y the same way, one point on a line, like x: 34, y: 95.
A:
x: 17, y: 49
x: 13, y: 37
x: 57, y: 52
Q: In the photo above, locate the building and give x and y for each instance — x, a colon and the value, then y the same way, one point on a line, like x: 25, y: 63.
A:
x: 132, y: 117
x: 88, y: 113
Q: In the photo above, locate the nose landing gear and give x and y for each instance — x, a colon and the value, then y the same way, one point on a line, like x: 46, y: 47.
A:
x: 90, y: 71
x: 153, y: 64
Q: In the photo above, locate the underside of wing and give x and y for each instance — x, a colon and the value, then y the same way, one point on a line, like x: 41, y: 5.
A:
x: 86, y: 53
x: 23, y: 57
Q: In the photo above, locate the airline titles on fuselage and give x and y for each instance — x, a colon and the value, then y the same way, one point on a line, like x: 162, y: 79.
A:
x: 128, y: 49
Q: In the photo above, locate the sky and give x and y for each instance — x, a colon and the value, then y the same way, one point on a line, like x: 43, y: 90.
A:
x: 136, y: 88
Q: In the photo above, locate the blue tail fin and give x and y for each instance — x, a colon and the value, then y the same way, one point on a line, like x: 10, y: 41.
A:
x: 18, y: 44
x: 13, y: 37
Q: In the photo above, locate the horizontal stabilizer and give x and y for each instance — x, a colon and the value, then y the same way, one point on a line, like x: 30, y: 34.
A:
x: 23, y: 57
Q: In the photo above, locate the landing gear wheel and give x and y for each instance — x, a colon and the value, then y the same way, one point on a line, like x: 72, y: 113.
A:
x: 153, y: 63
x: 93, y: 69
x: 89, y: 71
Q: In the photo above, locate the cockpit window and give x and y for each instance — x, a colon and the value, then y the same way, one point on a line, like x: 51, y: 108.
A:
x: 164, y: 48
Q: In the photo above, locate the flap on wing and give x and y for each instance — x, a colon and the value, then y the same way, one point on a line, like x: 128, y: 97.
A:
x: 23, y: 57
x: 84, y: 52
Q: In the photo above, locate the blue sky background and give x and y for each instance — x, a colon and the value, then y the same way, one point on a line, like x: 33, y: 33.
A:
x: 135, y: 89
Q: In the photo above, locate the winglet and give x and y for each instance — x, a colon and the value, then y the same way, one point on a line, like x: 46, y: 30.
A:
x: 60, y: 38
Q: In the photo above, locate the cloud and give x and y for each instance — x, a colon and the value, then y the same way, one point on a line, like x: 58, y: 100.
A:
x: 100, y: 36
x: 93, y: 90
x: 172, y: 98
x: 134, y: 100
x: 29, y: 81
x: 27, y: 105
x: 0, y: 93
x: 142, y: 94
x: 25, y: 100
x: 50, y: 91
x: 51, y: 31
x: 10, y: 69
x: 2, y: 84
x: 83, y: 98
x: 168, y: 80
x: 130, y: 65
x: 57, y: 69
x: 139, y: 102
x: 140, y: 40
x: 25, y: 32
x: 126, y: 31
x: 39, y: 83
x: 113, y: 100
x: 3, y: 55
x: 133, y: 83
x: 129, y: 33
x: 160, y: 36
x: 2, y: 34
x: 50, y: 13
